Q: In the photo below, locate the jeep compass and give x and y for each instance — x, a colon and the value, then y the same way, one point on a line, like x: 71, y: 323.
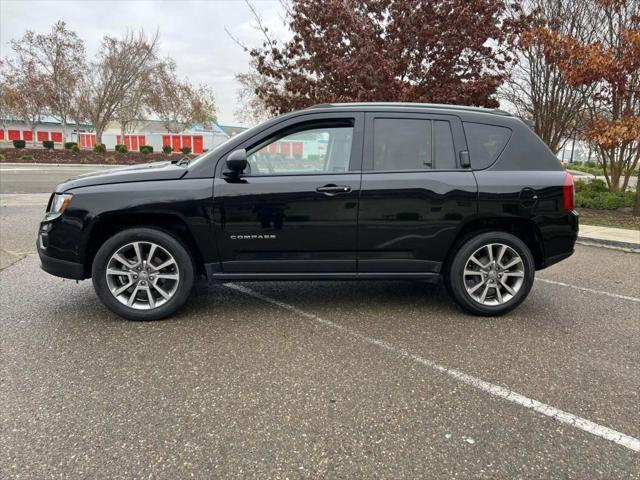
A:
x: 333, y: 192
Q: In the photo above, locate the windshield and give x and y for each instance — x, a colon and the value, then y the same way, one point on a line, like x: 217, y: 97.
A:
x: 241, y: 136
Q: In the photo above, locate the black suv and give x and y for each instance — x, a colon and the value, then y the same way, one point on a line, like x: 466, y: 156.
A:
x: 333, y: 192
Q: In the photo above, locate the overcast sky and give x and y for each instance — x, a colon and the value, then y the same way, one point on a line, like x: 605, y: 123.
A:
x: 192, y: 32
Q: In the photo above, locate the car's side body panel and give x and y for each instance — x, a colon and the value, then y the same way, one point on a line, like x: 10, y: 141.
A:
x: 390, y: 224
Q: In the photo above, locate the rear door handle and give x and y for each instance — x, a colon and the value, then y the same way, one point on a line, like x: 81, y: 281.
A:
x: 333, y: 189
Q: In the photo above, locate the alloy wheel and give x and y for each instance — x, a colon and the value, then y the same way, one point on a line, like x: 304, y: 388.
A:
x: 493, y: 274
x: 142, y: 275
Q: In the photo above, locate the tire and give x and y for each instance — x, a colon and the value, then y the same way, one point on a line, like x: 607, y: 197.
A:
x: 167, y: 277
x: 504, y: 289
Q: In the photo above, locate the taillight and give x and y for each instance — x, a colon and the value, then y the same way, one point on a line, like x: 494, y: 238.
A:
x: 568, y: 192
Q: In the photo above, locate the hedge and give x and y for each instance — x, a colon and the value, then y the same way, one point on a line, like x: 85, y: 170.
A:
x: 70, y: 145
x: 19, y: 144
x: 146, y: 149
x: 100, y: 148
x: 596, y: 195
x: 48, y: 144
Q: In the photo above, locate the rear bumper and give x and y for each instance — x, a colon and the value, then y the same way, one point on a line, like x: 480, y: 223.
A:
x: 61, y: 268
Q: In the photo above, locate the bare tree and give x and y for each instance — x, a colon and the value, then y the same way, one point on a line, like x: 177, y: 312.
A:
x: 120, y: 65
x: 23, y: 93
x: 133, y: 107
x: 251, y: 109
x: 177, y: 103
x: 59, y: 57
x: 536, y: 88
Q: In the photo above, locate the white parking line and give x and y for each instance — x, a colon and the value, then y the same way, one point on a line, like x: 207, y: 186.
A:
x: 626, y: 441
x: 590, y: 290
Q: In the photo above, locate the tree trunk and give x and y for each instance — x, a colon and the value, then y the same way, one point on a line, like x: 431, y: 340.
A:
x: 99, y: 132
x: 63, y: 124
x: 636, y: 207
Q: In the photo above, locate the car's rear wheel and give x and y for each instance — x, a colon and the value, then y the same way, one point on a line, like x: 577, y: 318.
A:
x: 491, y: 273
x: 143, y: 274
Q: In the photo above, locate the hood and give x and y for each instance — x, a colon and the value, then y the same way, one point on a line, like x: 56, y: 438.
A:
x: 135, y: 173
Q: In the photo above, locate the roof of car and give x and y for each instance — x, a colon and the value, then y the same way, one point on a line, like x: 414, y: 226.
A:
x: 426, y: 106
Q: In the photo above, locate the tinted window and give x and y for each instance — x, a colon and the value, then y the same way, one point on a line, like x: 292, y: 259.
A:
x: 401, y: 144
x: 485, y: 143
x: 313, y: 151
x: 443, y: 140
x: 412, y: 144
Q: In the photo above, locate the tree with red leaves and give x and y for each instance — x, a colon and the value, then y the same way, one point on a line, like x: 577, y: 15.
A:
x: 611, y: 65
x: 445, y: 51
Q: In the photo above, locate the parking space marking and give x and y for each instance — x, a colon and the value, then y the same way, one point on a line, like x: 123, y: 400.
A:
x: 590, y: 290
x: 588, y: 426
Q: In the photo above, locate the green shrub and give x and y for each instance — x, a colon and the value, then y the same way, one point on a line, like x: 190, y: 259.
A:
x: 598, y: 185
x: 48, y: 144
x: 100, y: 148
x: 185, y: 150
x: 1, y: 158
x: 121, y: 148
x: 146, y: 149
x: 591, y: 164
x: 27, y: 158
x: 595, y: 195
x: 19, y: 144
x: 70, y: 145
x: 75, y: 148
x: 167, y: 149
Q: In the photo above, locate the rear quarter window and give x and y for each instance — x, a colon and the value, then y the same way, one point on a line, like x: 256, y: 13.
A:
x: 485, y: 143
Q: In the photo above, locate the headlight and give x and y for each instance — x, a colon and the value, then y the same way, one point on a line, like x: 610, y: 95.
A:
x: 60, y: 202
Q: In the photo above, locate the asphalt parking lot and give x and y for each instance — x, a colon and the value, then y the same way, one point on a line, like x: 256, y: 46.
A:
x: 322, y: 379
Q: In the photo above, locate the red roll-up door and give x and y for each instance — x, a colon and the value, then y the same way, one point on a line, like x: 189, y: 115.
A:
x: 297, y: 148
x: 271, y: 148
x: 285, y: 149
x: 14, y: 134
x: 166, y: 140
x: 27, y: 135
x: 134, y: 142
x: 42, y: 136
x: 186, y: 141
x: 175, y: 143
x: 197, y: 144
x: 2, y: 134
x: 56, y: 137
x: 92, y: 139
x: 141, y: 140
x: 83, y: 140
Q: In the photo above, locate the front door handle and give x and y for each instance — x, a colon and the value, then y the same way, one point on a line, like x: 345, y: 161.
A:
x: 333, y: 189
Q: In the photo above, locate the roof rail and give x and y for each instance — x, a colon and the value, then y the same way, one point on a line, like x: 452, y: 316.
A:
x: 442, y: 106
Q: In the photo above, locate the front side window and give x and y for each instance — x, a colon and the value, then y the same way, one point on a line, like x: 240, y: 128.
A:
x: 412, y: 144
x: 316, y: 150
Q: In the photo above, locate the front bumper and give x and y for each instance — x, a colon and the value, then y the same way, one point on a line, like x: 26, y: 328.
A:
x: 60, y: 268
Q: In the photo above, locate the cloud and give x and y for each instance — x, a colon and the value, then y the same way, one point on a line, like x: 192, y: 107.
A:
x: 191, y: 32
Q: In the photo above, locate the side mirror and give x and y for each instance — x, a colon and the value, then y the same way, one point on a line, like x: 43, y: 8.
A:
x: 236, y: 163
x: 465, y: 162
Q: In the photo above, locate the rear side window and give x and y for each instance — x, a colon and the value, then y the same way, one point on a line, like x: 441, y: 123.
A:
x: 412, y: 144
x: 485, y: 143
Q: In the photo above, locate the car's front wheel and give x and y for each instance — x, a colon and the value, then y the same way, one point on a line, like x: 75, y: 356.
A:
x: 143, y: 274
x: 491, y: 273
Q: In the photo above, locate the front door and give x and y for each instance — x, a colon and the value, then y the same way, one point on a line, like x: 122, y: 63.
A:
x: 295, y: 207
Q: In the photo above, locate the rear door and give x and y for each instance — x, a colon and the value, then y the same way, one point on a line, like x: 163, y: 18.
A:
x: 295, y: 208
x: 414, y: 195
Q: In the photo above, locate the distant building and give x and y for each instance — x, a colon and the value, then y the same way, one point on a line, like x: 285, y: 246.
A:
x: 147, y: 132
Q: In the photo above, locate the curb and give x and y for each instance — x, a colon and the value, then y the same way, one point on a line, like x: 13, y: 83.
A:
x: 62, y: 165
x: 613, y: 244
